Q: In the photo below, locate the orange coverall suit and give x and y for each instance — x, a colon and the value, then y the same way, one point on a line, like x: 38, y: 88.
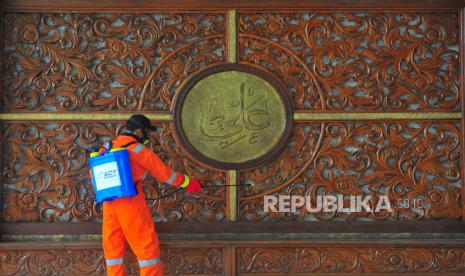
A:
x: 130, y: 218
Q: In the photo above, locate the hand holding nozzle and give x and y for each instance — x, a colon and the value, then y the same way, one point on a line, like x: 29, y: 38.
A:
x: 201, y: 184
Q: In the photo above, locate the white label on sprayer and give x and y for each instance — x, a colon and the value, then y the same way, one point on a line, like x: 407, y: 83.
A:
x: 106, y: 176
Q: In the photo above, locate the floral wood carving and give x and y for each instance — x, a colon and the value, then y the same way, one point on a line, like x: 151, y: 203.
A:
x: 351, y: 259
x: 90, y: 261
x: 328, y: 61
x: 46, y: 175
x: 112, y: 62
x: 52, y: 262
x: 416, y: 165
x: 257, y: 259
x: 358, y: 61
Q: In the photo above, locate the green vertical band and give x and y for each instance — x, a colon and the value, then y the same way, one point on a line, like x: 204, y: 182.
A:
x: 232, y: 37
x: 232, y: 180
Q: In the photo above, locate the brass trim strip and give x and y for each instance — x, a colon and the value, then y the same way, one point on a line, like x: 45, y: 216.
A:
x: 298, y: 116
x: 232, y: 36
x: 232, y: 180
x: 301, y: 116
x: 48, y: 116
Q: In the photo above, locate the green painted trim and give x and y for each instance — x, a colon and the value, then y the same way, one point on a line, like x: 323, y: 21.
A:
x: 232, y: 36
x: 92, y: 116
x: 232, y: 180
x: 306, y: 116
x: 298, y: 116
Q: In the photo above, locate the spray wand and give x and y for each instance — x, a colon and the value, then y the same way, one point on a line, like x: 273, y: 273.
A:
x: 203, y: 186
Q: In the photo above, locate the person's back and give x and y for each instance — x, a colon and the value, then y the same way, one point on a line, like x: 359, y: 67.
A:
x: 129, y: 218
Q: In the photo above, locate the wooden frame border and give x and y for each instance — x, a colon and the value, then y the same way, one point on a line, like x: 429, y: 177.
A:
x: 231, y: 260
x: 83, y: 228
x: 262, y: 5
x: 2, y: 26
x: 462, y: 95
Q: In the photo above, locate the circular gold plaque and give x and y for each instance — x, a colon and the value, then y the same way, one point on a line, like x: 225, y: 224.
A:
x: 232, y: 116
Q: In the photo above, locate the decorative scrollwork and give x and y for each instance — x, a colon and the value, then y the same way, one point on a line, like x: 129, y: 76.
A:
x: 193, y: 261
x: 75, y: 260
x: 416, y: 165
x: 52, y: 262
x: 46, y: 178
x: 358, y: 61
x: 206, y: 206
x: 351, y: 259
x: 107, y: 62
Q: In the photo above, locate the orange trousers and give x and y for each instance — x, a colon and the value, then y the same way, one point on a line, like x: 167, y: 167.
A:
x: 129, y: 219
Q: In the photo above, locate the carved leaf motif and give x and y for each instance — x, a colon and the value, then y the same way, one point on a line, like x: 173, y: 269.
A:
x: 112, y: 62
x: 412, y: 162
x: 350, y: 259
x: 358, y: 61
x: 47, y: 177
x: 75, y: 260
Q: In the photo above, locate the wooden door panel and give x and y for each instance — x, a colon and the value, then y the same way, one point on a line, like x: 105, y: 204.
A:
x: 416, y: 165
x: 377, y: 99
x: 358, y: 61
x: 47, y: 178
x: 111, y: 62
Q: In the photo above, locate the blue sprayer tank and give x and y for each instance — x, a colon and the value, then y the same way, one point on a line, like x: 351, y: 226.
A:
x: 111, y: 174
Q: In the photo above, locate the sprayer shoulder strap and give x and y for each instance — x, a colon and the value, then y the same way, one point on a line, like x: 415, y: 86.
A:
x: 128, y: 144
x: 124, y: 147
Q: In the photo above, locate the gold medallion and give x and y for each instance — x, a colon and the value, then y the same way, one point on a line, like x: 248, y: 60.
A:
x: 232, y: 118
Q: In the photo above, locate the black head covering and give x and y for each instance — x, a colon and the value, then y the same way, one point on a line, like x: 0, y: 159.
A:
x: 137, y: 121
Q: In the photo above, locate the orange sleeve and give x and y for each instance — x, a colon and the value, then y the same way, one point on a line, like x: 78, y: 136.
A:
x: 146, y: 158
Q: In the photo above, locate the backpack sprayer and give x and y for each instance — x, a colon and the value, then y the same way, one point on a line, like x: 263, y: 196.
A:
x: 112, y: 177
x: 111, y: 174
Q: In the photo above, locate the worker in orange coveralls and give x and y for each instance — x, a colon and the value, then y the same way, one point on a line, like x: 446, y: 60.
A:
x: 129, y: 217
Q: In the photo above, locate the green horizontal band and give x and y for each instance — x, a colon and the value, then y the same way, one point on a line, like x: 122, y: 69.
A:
x: 307, y: 116
x: 94, y: 116
x: 298, y: 116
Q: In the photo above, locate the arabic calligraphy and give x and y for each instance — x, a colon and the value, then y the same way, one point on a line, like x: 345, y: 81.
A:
x: 214, y: 127
x: 233, y: 116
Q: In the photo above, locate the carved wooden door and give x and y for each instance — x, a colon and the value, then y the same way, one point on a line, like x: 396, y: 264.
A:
x: 372, y: 106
